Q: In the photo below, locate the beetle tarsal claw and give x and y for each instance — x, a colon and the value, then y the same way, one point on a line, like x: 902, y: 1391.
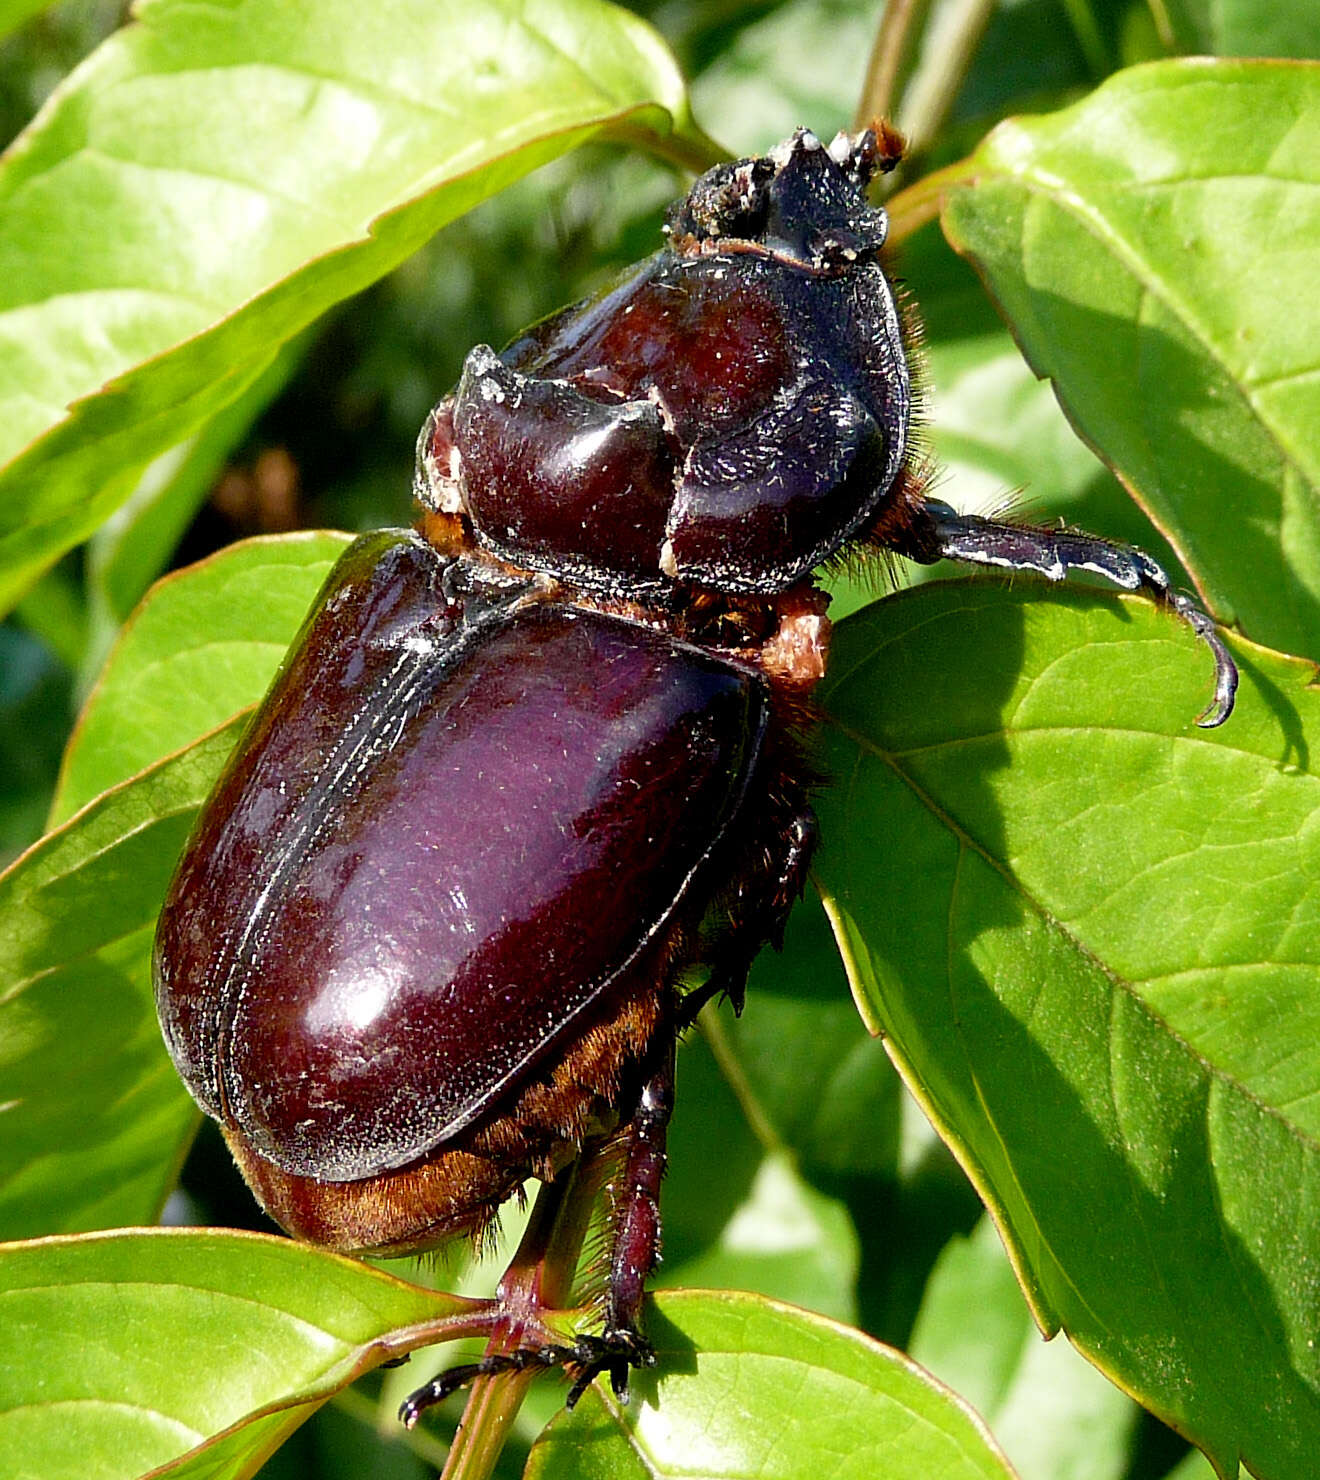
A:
x: 615, y: 1352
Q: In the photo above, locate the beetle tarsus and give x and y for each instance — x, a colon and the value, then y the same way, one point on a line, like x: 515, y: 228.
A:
x: 634, y: 1197
x: 616, y: 1352
x: 448, y: 1382
x: 1054, y: 552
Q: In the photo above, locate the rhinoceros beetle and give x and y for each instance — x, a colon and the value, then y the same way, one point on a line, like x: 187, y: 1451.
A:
x: 526, y: 768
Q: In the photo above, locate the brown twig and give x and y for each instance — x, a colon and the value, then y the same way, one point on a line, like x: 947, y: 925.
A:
x: 537, y: 1283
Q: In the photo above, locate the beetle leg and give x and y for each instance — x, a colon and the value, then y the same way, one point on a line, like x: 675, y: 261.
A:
x: 634, y: 1194
x: 1053, y: 553
x: 452, y: 1378
x: 761, y: 917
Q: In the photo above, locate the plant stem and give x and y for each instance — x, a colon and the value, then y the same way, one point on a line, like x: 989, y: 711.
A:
x: 717, y: 1037
x: 948, y: 52
x: 687, y: 147
x: 912, y: 207
x: 892, y: 38
x: 538, y: 1281
x: 1089, y: 38
x: 1163, y: 25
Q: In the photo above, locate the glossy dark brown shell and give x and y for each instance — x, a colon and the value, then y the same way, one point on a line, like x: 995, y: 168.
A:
x: 729, y: 414
x: 457, y: 820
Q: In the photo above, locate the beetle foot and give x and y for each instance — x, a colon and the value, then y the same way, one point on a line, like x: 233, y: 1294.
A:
x: 1054, y: 552
x: 615, y: 1352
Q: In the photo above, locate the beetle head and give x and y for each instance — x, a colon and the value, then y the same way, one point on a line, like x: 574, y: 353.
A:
x: 801, y: 203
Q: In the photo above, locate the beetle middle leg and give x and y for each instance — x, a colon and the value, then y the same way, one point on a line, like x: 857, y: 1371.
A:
x: 1053, y: 553
x: 759, y: 915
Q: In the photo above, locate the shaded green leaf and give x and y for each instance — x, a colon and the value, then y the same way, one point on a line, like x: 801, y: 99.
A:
x: 793, y: 64
x: 35, y: 700
x: 1245, y: 28
x: 204, y: 644
x: 1193, y: 1466
x: 804, y: 1070
x: 1106, y: 988
x: 1052, y: 1412
x: 95, y: 1119
x: 745, y: 1218
x: 14, y: 13
x: 136, y: 544
x: 129, y: 1351
x: 745, y: 1387
x: 1157, y: 252
x: 212, y: 179
x: 55, y: 610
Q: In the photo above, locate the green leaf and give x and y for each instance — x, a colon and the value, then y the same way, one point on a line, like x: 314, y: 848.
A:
x: 35, y: 703
x: 999, y: 437
x: 1245, y: 28
x: 214, y: 177
x: 129, y: 1351
x: 1051, y: 1411
x: 94, y: 1138
x: 1194, y: 1466
x: 95, y: 1119
x: 204, y: 644
x: 746, y: 1218
x: 747, y: 1388
x: 1156, y: 250
x: 804, y: 1070
x: 15, y: 13
x: 137, y: 543
x: 1092, y: 934
x: 793, y: 64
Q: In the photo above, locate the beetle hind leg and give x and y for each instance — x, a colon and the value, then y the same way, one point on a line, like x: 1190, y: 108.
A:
x: 1053, y: 553
x: 633, y: 1195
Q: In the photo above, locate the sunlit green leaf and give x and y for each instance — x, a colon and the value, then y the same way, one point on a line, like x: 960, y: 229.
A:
x: 1104, y: 977
x: 746, y: 1388
x: 129, y: 1351
x: 93, y: 1137
x: 1157, y: 252
x: 94, y: 1116
x: 205, y: 644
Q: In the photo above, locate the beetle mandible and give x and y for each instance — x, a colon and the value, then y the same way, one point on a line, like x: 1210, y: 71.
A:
x: 523, y: 770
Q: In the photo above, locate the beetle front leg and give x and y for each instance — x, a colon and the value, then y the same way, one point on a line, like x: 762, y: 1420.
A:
x: 1053, y: 553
